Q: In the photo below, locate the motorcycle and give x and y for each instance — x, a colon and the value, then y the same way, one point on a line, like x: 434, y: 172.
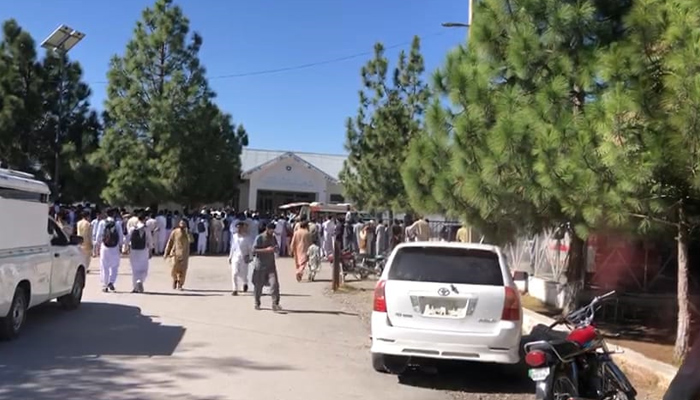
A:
x: 580, y: 366
x: 375, y: 265
x: 358, y: 265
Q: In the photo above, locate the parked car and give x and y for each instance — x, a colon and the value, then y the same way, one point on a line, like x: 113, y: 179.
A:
x: 38, y: 263
x: 442, y: 300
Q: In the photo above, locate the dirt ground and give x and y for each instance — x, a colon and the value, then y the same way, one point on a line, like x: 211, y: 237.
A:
x: 358, y: 296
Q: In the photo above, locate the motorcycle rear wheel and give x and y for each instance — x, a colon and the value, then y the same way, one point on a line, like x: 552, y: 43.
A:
x: 563, y: 388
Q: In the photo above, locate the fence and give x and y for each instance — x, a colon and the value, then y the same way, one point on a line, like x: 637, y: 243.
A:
x: 544, y: 255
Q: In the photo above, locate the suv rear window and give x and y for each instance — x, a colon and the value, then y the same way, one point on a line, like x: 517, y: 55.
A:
x: 446, y: 265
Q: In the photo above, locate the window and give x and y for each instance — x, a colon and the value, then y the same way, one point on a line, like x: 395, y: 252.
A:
x: 337, y: 198
x: 58, y: 238
x: 24, y: 195
x: 446, y: 265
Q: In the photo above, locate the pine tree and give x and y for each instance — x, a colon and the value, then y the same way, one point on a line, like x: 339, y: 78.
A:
x: 156, y: 146
x: 66, y: 102
x: 650, y: 139
x: 34, y: 96
x: 20, y: 99
x: 520, y: 137
x: 390, y: 115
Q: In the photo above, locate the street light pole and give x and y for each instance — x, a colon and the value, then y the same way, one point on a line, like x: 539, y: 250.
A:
x: 61, y: 41
x: 462, y: 24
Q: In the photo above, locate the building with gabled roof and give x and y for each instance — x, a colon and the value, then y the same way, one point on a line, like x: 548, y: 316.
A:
x: 270, y: 178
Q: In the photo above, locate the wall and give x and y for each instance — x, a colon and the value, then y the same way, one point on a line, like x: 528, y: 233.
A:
x: 243, y: 193
x: 287, y: 175
x: 333, y: 188
x: 548, y: 292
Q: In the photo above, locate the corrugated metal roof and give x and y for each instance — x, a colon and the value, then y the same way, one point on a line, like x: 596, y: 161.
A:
x: 331, y: 164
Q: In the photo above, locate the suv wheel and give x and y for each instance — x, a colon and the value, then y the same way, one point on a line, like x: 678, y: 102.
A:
x: 11, y: 325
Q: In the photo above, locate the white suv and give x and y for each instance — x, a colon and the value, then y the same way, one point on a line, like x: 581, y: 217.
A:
x: 441, y: 300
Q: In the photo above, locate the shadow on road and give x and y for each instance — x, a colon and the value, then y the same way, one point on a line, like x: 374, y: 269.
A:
x: 103, y: 351
x: 319, y: 312
x: 220, y: 291
x: 471, y: 378
x: 184, y: 293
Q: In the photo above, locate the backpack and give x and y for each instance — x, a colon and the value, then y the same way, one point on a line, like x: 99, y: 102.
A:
x: 110, y: 238
x: 138, y: 239
x: 168, y: 222
x: 201, y: 227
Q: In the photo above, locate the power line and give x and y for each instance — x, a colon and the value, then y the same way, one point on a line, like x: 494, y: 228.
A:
x: 311, y: 64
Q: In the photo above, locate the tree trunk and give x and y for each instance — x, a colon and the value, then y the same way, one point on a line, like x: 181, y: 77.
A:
x: 575, y: 272
x: 683, y: 331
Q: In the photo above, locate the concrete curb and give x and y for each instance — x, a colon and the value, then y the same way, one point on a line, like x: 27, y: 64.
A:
x: 629, y: 359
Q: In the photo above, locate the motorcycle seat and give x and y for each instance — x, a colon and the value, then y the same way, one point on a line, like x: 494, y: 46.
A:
x: 565, y: 348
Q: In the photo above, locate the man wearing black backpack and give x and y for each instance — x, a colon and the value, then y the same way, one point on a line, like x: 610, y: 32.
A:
x: 140, y: 243
x: 110, y: 239
x: 202, y: 231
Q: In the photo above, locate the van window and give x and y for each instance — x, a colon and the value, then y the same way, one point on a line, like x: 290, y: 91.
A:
x: 24, y: 195
x: 446, y: 265
x: 58, y: 238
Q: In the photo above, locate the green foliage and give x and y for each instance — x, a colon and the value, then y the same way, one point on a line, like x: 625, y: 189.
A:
x: 390, y: 115
x: 650, y: 137
x: 517, y: 145
x: 35, y: 96
x: 165, y: 140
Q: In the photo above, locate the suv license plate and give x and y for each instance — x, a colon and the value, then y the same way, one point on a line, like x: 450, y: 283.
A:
x: 538, y: 374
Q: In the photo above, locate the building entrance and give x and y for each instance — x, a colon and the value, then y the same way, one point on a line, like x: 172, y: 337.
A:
x: 268, y: 202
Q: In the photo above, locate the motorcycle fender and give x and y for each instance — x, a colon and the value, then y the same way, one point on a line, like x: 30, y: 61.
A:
x: 543, y: 389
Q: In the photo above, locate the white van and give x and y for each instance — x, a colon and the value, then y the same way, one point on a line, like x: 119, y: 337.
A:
x: 38, y: 263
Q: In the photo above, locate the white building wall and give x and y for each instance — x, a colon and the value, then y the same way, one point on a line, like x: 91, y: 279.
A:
x: 288, y: 175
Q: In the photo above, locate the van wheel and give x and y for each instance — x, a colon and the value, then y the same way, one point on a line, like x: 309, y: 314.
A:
x: 72, y: 300
x: 389, y: 364
x: 11, y: 324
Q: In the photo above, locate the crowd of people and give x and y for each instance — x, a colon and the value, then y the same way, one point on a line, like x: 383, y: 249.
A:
x: 113, y: 233
x: 251, y: 241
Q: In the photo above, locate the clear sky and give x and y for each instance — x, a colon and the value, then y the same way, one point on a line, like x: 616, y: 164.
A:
x: 300, y: 109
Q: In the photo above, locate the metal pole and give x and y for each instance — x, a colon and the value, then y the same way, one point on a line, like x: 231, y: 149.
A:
x: 337, y: 253
x: 57, y: 140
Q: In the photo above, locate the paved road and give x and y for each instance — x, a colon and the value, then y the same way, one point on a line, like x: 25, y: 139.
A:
x: 198, y: 344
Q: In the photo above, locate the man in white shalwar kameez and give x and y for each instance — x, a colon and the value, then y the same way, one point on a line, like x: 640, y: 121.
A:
x: 110, y: 256
x: 203, y: 235
x: 328, y: 235
x: 281, y: 235
x: 152, y: 228
x: 93, y: 225
x: 140, y: 253
x: 240, y: 257
x: 161, y: 233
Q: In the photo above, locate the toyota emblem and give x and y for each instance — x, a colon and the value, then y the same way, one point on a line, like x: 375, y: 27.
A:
x: 444, y: 291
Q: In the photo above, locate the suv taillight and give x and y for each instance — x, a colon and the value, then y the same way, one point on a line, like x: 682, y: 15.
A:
x: 511, y: 306
x: 380, y: 297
